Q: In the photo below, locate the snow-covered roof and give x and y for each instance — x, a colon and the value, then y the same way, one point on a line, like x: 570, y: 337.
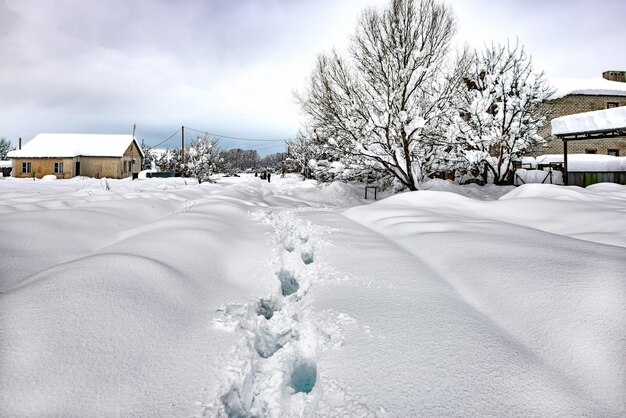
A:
x: 599, y: 120
x: 586, y: 86
x: 582, y: 162
x: 6, y: 164
x: 74, y: 145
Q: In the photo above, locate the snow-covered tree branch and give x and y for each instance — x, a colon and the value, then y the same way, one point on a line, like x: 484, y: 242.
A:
x: 381, y: 106
x: 499, y: 116
x: 5, y: 147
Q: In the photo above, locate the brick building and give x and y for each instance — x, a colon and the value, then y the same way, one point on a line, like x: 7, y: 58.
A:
x: 584, y: 95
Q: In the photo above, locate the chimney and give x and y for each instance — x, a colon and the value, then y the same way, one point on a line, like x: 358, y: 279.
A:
x: 19, y: 144
x: 614, y: 75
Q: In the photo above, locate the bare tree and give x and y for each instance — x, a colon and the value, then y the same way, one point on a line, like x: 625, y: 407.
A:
x: 237, y: 160
x: 383, y: 104
x: 5, y: 147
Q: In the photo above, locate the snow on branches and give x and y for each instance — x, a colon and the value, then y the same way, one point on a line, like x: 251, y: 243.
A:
x: 380, y: 107
x: 394, y: 106
x: 499, y: 116
x: 202, y: 158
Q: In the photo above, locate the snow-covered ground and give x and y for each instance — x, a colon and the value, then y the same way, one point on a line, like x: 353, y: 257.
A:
x: 159, y: 297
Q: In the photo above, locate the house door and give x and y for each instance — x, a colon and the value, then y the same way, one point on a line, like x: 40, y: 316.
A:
x: 77, y: 170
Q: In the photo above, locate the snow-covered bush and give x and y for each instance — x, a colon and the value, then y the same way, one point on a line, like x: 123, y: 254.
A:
x: 149, y: 159
x: 170, y: 160
x: 202, y: 158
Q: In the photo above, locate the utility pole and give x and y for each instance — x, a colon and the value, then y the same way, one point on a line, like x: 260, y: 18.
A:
x: 132, y: 156
x: 182, y: 143
x: 182, y: 149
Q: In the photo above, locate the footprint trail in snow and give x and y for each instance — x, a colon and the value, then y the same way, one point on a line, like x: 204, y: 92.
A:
x: 273, y: 370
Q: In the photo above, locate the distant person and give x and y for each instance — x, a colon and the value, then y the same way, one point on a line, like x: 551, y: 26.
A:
x: 268, y: 176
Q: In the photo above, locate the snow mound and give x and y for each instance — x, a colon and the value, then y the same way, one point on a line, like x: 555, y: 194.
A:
x: 535, y: 264
x: 163, y: 297
x: 487, y: 192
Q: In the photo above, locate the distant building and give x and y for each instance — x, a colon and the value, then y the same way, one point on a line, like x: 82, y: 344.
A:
x: 5, y: 168
x: 575, y: 95
x: 70, y: 155
x: 615, y: 76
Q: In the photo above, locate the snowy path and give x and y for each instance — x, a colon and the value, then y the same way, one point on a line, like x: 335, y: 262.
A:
x: 251, y: 299
x: 273, y: 370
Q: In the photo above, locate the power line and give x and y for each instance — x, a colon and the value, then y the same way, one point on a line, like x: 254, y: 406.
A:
x: 235, y: 137
x: 265, y: 147
x: 167, y: 139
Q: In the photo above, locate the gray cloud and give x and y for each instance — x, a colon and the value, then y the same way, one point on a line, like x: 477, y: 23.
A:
x: 231, y: 66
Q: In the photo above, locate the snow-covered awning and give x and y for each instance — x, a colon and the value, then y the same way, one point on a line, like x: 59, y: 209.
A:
x: 74, y: 145
x: 599, y: 124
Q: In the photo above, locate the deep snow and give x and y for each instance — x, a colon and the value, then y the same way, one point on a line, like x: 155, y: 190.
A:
x: 598, y: 120
x: 162, y: 297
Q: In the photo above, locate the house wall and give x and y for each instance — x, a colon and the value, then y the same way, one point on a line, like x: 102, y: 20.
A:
x: 111, y: 167
x: 133, y: 155
x: 99, y: 167
x: 42, y: 166
x: 579, y: 103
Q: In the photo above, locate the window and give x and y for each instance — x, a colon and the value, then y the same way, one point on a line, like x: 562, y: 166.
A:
x: 58, y: 167
x: 591, y: 151
x: 26, y: 167
x: 613, y: 152
x: 610, y: 105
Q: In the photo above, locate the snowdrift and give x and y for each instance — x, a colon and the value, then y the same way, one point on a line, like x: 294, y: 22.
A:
x: 246, y: 298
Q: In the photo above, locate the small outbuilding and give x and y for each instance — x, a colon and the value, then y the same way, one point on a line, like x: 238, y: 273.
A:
x: 70, y: 155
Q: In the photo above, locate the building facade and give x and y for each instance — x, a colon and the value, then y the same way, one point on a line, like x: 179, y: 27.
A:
x: 579, y: 96
x: 70, y: 155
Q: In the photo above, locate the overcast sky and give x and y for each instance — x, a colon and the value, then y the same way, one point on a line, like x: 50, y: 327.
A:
x: 231, y: 66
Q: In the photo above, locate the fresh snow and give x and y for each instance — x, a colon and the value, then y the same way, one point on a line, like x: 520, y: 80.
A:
x: 564, y: 86
x: 524, y: 176
x: 74, y: 145
x: 581, y: 162
x: 598, y: 120
x: 161, y: 297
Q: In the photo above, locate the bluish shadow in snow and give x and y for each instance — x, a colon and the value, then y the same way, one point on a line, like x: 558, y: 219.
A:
x: 288, y: 283
x: 289, y: 246
x: 303, y: 376
x: 266, y: 308
x: 233, y: 405
x: 266, y: 344
x: 307, y: 257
